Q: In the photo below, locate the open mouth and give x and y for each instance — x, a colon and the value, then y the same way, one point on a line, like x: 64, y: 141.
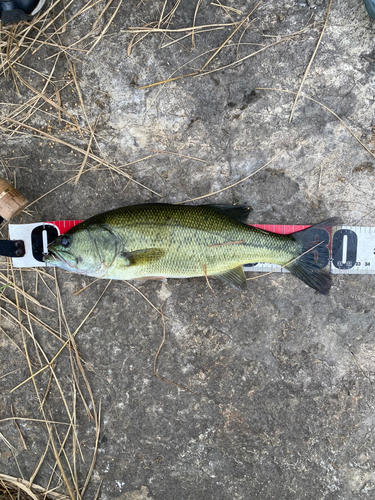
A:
x: 58, y: 259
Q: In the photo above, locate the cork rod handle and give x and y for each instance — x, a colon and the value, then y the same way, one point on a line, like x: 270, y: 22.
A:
x: 12, y: 202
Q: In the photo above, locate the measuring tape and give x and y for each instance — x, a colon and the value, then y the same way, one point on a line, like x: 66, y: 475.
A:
x: 344, y: 249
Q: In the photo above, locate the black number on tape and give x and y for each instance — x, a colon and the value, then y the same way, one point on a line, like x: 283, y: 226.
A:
x: 37, y: 239
x: 344, y: 249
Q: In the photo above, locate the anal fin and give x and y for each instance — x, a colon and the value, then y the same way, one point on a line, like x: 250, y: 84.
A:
x: 234, y: 277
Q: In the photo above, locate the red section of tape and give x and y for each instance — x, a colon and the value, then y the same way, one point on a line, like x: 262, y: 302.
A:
x: 64, y: 226
x: 279, y: 228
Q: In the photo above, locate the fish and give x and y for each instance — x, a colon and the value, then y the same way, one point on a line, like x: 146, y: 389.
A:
x: 159, y: 241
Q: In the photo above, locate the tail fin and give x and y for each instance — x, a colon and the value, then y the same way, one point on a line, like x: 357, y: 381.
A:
x: 314, y: 256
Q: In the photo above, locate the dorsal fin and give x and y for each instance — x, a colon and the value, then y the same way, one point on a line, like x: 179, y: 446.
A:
x: 236, y: 212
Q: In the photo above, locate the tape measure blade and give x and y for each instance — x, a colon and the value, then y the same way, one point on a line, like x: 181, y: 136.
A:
x: 352, y: 248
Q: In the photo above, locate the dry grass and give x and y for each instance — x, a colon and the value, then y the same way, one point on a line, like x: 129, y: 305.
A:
x: 62, y: 438
x: 36, y: 355
x: 12, y: 488
x: 42, y: 98
x: 239, y: 25
x: 43, y: 93
x: 310, y: 63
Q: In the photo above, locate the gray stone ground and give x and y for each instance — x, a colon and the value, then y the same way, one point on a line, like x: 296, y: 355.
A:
x: 284, y: 377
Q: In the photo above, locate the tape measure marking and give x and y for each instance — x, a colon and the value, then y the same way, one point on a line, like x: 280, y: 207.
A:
x: 64, y: 225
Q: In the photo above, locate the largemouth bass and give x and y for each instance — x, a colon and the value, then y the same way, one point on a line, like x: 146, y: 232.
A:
x: 173, y: 241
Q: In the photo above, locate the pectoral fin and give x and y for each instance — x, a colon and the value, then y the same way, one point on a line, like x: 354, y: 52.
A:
x: 142, y: 257
x: 234, y: 277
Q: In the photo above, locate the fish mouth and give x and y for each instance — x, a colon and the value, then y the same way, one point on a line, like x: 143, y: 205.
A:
x: 53, y: 258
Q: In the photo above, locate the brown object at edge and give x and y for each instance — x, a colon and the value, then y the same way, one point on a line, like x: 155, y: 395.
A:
x: 12, y: 202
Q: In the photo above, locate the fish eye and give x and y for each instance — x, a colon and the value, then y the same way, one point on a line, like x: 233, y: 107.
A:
x: 65, y: 241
